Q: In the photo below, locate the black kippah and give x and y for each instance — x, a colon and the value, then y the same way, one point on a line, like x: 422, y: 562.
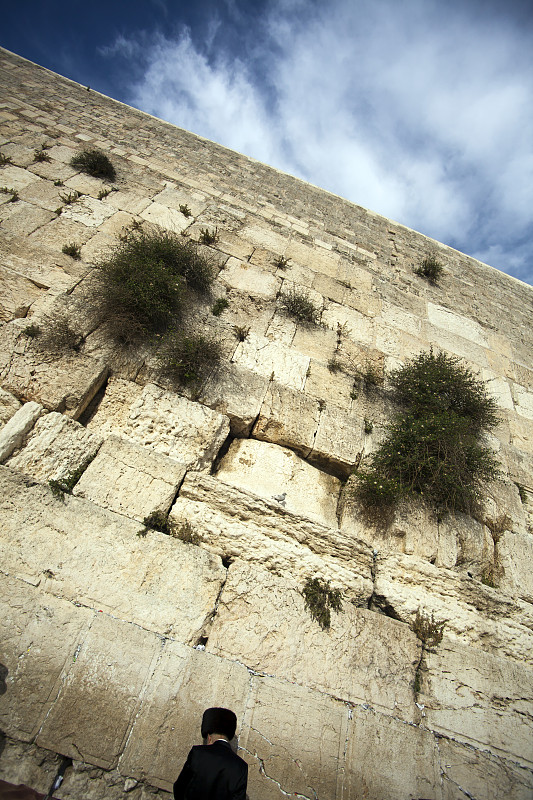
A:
x: 219, y: 720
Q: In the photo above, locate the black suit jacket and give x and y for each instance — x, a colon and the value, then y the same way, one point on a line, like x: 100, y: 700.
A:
x: 212, y: 772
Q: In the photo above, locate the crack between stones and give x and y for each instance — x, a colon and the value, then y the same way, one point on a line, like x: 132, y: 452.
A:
x: 65, y: 672
x: 263, y: 772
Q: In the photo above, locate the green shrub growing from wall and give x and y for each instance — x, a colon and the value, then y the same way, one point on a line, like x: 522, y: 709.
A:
x: 434, y: 447
x: 143, y: 285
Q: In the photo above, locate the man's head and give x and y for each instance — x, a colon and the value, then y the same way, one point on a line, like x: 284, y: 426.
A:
x: 219, y: 721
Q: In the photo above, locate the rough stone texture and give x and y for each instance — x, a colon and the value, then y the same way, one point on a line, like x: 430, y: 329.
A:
x: 21, y: 422
x: 39, y: 637
x: 287, y: 418
x: 234, y: 523
x: 56, y: 446
x: 480, y: 699
x: 162, y: 421
x: 37, y: 768
x: 87, y: 721
x: 65, y: 383
x: 94, y: 557
x: 410, y: 755
x: 273, y: 360
x: 474, y: 613
x: 8, y: 406
x: 238, y: 393
x: 375, y: 312
x: 290, y: 752
x: 276, y: 473
x: 130, y: 480
x: 262, y: 621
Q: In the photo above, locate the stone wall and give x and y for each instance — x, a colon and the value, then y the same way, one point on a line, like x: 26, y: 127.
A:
x: 115, y: 639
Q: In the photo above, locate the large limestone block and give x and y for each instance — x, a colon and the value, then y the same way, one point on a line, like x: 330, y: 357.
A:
x: 56, y: 446
x: 184, y: 683
x: 456, y: 324
x: 316, y: 342
x: 95, y: 557
x: 294, y: 741
x: 385, y: 758
x: 339, y: 440
x: 265, y: 237
x: 9, y: 405
x: 65, y: 383
x: 16, y: 178
x: 287, y: 418
x: 99, y: 697
x: 247, y: 279
x: 480, y: 699
x: 412, y: 530
x: 88, y: 211
x: 39, y: 636
x: 474, y: 614
x: 17, y: 294
x: 514, y: 558
x: 475, y: 546
x: 165, y: 217
x: 469, y: 772
x: 39, y: 266
x: 355, y: 326
x: 237, y: 393
x: 172, y: 197
x: 23, y: 218
x: 130, y: 479
x: 275, y: 472
x: 162, y: 421
x: 13, y: 432
x: 273, y: 360
x: 234, y: 523
x: 262, y: 621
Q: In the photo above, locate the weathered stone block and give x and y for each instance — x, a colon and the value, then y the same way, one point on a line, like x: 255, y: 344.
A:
x: 13, y: 432
x: 409, y: 753
x: 273, y: 360
x: 165, y: 217
x: 480, y: 699
x: 277, y: 474
x: 237, y: 393
x: 262, y: 621
x: 476, y: 773
x: 514, y: 558
x: 339, y: 439
x: 130, y: 479
x: 40, y: 635
x: 56, y: 446
x: 95, y: 557
x: 287, y: 418
x: 294, y: 741
x: 162, y: 421
x: 99, y: 697
x: 234, y: 523
x: 249, y: 280
x: 474, y: 614
x: 9, y: 405
x: 64, y: 383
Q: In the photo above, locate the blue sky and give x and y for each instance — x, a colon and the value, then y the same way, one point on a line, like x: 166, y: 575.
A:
x: 420, y: 110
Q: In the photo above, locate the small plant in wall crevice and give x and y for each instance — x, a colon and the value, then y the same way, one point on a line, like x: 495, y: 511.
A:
x: 95, y: 163
x: 321, y: 600
x: 430, y: 268
x: 297, y: 304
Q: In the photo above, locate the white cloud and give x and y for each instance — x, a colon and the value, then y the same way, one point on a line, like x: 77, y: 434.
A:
x: 421, y: 111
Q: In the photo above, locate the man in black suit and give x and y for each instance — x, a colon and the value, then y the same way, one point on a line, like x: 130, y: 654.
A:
x: 213, y: 771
